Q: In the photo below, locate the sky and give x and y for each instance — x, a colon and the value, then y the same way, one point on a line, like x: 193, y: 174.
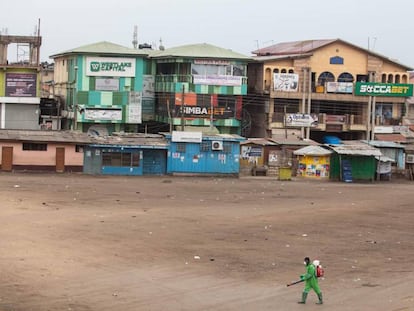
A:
x: 385, y: 27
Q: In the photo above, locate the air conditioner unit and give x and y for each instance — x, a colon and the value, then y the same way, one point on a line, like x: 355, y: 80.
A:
x: 216, y: 145
x: 409, y: 158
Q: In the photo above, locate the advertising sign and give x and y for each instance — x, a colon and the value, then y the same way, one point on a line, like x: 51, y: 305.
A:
x: 110, y: 67
x: 207, y: 106
x: 300, y: 120
x: 251, y: 151
x: 187, y: 137
x: 218, y: 80
x: 103, y: 114
x: 148, y: 86
x: 286, y: 82
x: 134, y: 107
x: 339, y: 87
x: 383, y: 89
x: 21, y: 84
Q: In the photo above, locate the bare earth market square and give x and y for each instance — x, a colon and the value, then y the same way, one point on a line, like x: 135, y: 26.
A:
x: 77, y: 242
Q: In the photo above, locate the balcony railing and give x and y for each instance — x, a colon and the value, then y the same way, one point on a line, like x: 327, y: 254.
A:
x: 181, y: 79
x: 173, y: 78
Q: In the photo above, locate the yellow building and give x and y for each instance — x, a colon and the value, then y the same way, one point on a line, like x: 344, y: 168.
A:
x: 316, y: 88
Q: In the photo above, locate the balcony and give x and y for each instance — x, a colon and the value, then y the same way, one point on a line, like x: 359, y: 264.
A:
x: 226, y: 85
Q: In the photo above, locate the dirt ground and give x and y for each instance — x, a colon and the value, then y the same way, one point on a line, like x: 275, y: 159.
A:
x: 76, y: 242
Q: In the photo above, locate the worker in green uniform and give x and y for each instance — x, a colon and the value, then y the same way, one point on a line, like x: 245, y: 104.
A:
x: 311, y: 282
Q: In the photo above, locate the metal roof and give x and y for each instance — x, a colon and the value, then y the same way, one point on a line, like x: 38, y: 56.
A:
x: 308, y: 46
x: 103, y: 47
x: 312, y: 151
x: 293, y: 140
x: 383, y: 144
x: 384, y: 159
x: 293, y: 48
x: 199, y: 50
x: 355, y: 148
x: 76, y: 137
x: 259, y: 141
x: 391, y: 137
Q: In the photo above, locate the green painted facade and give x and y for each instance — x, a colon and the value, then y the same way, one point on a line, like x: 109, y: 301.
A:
x: 363, y: 167
x: 191, y: 70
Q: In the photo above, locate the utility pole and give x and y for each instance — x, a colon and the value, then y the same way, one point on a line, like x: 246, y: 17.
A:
x: 302, y: 129
x: 169, y: 114
x: 182, y: 109
x: 211, y: 112
x: 309, y: 100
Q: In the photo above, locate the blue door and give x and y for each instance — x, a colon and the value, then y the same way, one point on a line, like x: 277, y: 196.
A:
x: 154, y: 162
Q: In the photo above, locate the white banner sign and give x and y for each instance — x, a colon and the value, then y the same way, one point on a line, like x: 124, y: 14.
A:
x: 300, y: 120
x: 148, y: 87
x: 286, y: 82
x: 218, y: 80
x: 110, y: 67
x: 339, y: 87
x: 103, y: 114
x: 188, y: 137
x: 135, y: 107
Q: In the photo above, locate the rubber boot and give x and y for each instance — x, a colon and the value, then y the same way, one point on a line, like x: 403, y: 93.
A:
x: 304, y: 296
x: 320, y: 299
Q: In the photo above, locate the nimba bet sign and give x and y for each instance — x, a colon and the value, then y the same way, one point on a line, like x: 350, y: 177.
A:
x: 383, y: 89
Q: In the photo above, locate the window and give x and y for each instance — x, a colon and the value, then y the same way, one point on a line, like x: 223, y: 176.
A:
x: 325, y: 77
x: 218, y: 70
x: 34, y: 147
x: 345, y: 77
x: 123, y: 159
x: 79, y: 148
x: 336, y: 60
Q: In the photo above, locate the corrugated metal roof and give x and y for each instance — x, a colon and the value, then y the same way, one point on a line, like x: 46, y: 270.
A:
x: 391, y: 137
x: 293, y: 140
x: 384, y: 159
x: 280, y: 57
x: 199, y: 50
x: 312, y: 151
x: 355, y: 148
x: 75, y: 137
x: 259, y: 141
x: 308, y: 46
x: 295, y: 47
x: 383, y: 144
x: 103, y: 47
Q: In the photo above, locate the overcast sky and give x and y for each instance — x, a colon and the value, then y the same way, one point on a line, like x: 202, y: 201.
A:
x: 384, y: 26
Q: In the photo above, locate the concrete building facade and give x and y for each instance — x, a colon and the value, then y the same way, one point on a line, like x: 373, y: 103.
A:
x: 313, y: 88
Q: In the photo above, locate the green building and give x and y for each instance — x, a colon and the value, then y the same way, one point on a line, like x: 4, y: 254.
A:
x: 105, y: 87
x: 200, y: 87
